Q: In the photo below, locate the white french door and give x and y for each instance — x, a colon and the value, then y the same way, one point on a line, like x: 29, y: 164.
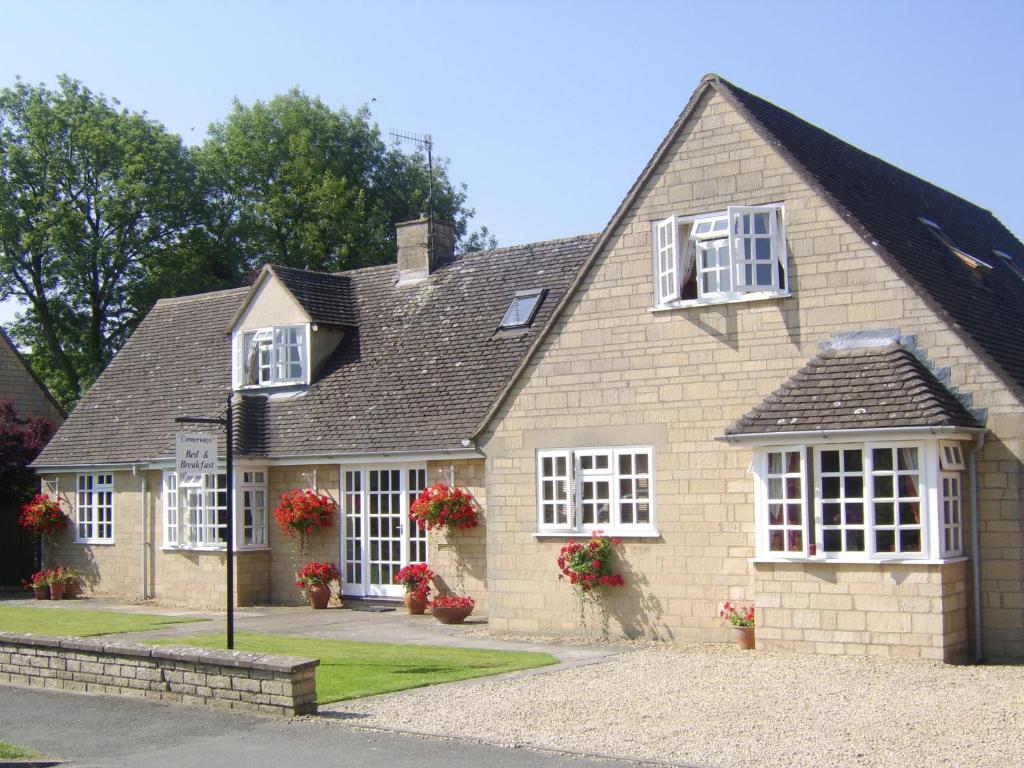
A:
x: 378, y: 538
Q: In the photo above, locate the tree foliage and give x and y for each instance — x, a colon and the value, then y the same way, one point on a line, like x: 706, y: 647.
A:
x: 21, y: 440
x: 96, y: 206
x: 103, y: 212
x: 308, y: 186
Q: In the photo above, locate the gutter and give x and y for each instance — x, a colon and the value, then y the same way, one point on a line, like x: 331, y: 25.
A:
x: 143, y: 490
x: 847, y: 434
x: 972, y: 468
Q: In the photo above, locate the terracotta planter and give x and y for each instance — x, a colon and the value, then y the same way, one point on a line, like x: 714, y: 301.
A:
x: 413, y: 606
x: 451, y: 615
x: 319, y: 595
x: 57, y: 590
x: 43, y: 592
x: 70, y: 590
x: 744, y: 637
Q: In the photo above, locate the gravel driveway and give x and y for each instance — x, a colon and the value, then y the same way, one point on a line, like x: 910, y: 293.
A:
x: 714, y: 705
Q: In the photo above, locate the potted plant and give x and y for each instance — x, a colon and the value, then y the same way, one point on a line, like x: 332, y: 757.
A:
x: 451, y: 609
x: 315, y: 580
x: 742, y: 621
x: 416, y: 580
x: 69, y: 577
x: 588, y: 565
x: 56, y: 583
x: 40, y: 582
x: 444, y: 507
x: 43, y: 516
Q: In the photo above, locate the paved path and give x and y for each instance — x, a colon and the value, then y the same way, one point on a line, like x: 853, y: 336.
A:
x: 109, y: 732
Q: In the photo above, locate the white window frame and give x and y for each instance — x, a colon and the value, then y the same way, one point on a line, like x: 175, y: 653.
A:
x: 765, y: 498
x: 931, y: 503
x: 180, y: 532
x: 669, y: 248
x: 252, y: 485
x: 572, y: 490
x: 951, y: 522
x: 273, y: 358
x: 94, y: 508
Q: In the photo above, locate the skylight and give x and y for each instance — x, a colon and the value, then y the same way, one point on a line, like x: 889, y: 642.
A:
x: 972, y: 261
x: 522, y: 309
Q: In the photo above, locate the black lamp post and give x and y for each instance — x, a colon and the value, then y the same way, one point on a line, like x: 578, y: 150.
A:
x: 230, y: 462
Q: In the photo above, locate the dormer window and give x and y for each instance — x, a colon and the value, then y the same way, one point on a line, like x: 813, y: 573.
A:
x: 521, y: 311
x: 274, y: 356
x: 739, y: 253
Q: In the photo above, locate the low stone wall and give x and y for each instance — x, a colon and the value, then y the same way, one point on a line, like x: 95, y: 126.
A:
x: 279, y: 685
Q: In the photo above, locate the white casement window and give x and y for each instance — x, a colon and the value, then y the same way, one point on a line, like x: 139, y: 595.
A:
x: 726, y: 256
x: 272, y: 356
x: 952, y: 520
x: 587, y: 489
x: 196, y: 510
x: 252, y: 497
x: 94, y: 509
x: 870, y: 501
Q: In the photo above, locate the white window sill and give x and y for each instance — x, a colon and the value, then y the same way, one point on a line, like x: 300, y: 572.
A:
x: 100, y: 542
x: 171, y: 548
x: 710, y: 302
x: 849, y: 561
x: 612, y: 533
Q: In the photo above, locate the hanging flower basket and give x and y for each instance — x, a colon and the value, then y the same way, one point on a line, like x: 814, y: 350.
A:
x: 303, y: 511
x: 588, y: 564
x: 445, y: 507
x: 43, y: 516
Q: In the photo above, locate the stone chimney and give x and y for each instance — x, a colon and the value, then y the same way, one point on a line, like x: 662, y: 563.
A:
x: 423, y: 243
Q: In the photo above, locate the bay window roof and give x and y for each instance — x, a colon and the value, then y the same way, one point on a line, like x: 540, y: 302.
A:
x: 857, y: 387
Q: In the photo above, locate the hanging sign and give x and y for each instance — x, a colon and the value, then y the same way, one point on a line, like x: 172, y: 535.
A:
x: 195, y: 453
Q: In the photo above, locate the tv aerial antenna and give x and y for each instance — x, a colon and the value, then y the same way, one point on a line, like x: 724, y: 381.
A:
x: 425, y: 141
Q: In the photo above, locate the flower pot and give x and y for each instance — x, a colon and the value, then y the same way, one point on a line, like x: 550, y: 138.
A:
x: 70, y: 590
x: 57, y: 590
x: 744, y: 637
x: 43, y: 592
x: 452, y: 615
x: 413, y: 606
x: 319, y: 595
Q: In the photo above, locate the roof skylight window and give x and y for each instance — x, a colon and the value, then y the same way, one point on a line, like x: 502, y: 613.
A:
x: 971, y: 261
x: 522, y: 309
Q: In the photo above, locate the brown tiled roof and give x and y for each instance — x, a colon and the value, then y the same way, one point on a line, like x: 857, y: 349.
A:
x: 859, y: 388
x: 326, y: 297
x: 417, y: 374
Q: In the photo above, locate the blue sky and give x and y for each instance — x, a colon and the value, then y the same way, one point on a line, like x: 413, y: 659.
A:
x: 549, y: 111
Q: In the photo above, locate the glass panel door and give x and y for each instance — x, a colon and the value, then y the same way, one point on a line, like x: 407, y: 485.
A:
x: 378, y: 538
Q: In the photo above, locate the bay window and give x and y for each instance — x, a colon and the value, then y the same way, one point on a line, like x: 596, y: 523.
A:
x: 870, y: 501
x: 587, y: 489
x: 196, y: 510
x: 718, y: 257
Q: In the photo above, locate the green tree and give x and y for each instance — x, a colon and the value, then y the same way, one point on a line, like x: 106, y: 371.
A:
x: 308, y: 186
x: 101, y: 213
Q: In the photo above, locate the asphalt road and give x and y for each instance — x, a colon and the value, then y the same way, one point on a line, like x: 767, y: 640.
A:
x: 106, y: 731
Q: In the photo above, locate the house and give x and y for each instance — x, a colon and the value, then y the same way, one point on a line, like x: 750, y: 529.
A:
x: 785, y: 374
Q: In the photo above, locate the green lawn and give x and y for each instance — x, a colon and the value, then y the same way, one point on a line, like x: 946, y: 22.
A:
x: 10, y: 751
x: 349, y: 669
x: 79, y: 623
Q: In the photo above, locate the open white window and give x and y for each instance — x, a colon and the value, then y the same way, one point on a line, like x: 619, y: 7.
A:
x: 272, y: 356
x: 196, y: 510
x: 588, y: 489
x: 719, y: 257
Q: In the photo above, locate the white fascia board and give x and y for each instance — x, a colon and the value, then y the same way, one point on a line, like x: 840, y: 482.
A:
x: 846, y: 435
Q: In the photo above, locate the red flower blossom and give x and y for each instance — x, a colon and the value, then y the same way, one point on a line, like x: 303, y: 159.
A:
x: 43, y: 516
x: 303, y: 511
x: 317, y: 573
x: 440, y: 506
x: 587, y: 564
x: 452, y: 601
x: 416, y: 580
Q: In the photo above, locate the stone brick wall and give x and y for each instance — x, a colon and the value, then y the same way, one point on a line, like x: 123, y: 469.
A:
x: 613, y: 372
x: 885, y: 610
x: 277, y: 685
x: 460, y: 558
x: 19, y: 385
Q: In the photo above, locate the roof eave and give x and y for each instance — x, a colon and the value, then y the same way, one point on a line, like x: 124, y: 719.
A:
x: 841, y: 435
